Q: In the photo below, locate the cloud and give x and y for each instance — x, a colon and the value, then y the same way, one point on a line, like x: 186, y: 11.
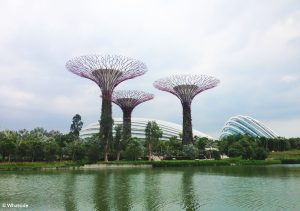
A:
x: 251, y: 46
x: 290, y: 78
x: 285, y: 127
x: 13, y: 97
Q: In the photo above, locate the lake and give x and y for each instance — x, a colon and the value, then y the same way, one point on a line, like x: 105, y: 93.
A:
x: 274, y: 187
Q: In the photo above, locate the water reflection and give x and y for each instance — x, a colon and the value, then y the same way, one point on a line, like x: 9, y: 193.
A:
x: 122, y: 190
x: 153, y: 200
x: 205, y: 188
x: 254, y: 171
x: 69, y: 193
x: 102, y: 191
x: 189, y: 199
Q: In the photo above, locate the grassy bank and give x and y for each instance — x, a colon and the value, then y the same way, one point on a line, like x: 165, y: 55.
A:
x: 286, y: 157
x: 291, y: 154
x: 190, y: 163
x: 155, y: 164
x: 226, y: 162
x: 36, y: 165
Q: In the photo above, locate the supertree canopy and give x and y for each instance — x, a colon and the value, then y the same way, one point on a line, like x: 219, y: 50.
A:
x: 186, y: 87
x: 127, y: 100
x: 107, y: 71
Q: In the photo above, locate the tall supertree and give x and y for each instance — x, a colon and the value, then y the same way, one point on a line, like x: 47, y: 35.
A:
x: 127, y: 100
x: 186, y: 87
x: 107, y: 71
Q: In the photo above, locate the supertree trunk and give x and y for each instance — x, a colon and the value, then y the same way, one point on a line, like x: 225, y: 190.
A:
x: 106, y: 123
x: 126, y: 123
x: 187, y: 129
x: 107, y: 71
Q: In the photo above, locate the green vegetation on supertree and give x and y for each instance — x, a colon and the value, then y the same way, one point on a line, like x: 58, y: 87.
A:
x: 107, y: 71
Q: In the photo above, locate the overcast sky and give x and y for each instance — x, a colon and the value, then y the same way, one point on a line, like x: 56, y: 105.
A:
x: 253, y: 47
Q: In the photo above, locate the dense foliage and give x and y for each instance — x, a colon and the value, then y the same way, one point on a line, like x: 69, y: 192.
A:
x: 152, y: 133
x: 42, y: 145
x: 255, y: 148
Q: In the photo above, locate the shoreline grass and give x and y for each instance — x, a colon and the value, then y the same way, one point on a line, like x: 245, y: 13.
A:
x: 37, y: 165
x: 281, y: 155
x: 154, y: 164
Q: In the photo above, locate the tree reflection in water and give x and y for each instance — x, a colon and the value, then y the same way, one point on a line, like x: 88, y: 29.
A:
x: 189, y: 199
x: 102, y: 190
x: 69, y: 194
x: 122, y: 190
x: 152, y: 191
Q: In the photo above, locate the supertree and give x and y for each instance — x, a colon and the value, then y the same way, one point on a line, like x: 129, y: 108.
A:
x: 186, y: 87
x: 127, y: 100
x: 107, y: 71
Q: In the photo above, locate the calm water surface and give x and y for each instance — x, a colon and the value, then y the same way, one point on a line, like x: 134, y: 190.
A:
x: 274, y: 187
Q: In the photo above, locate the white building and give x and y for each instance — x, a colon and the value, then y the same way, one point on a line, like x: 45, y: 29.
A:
x: 138, y: 126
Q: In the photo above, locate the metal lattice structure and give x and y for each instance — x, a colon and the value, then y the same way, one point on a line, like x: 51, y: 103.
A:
x: 107, y: 71
x: 186, y: 87
x: 127, y: 100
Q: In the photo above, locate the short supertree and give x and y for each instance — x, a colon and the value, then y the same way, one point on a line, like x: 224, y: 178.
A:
x: 107, y: 71
x: 127, y: 100
x: 186, y: 87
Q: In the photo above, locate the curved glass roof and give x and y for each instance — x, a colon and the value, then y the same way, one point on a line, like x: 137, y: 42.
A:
x: 245, y: 125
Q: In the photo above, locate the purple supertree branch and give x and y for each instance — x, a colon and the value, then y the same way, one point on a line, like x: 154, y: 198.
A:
x: 130, y: 98
x: 186, y: 87
x: 107, y: 70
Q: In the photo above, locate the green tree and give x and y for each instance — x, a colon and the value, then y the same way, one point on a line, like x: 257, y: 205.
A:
x: 76, y: 126
x: 260, y: 153
x: 51, y: 151
x: 247, y: 144
x: 174, y: 146
x: 235, y: 150
x: 62, y: 140
x: 190, y: 151
x: 152, y: 133
x: 76, y: 150
x: 24, y: 150
x: 37, y: 148
x: 8, y: 145
x: 92, y: 151
x: 134, y: 150
x: 118, y: 140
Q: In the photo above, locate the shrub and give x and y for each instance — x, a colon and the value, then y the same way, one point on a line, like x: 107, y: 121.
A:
x: 134, y: 150
x: 216, y: 155
x: 190, y: 151
x: 260, y: 153
x: 93, y: 152
x: 51, y: 150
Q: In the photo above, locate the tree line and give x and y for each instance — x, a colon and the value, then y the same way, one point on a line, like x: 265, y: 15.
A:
x: 42, y: 145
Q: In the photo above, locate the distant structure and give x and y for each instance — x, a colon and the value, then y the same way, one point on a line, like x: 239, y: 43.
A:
x: 186, y: 87
x: 107, y: 71
x: 245, y: 125
x: 127, y: 100
x: 138, y: 126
